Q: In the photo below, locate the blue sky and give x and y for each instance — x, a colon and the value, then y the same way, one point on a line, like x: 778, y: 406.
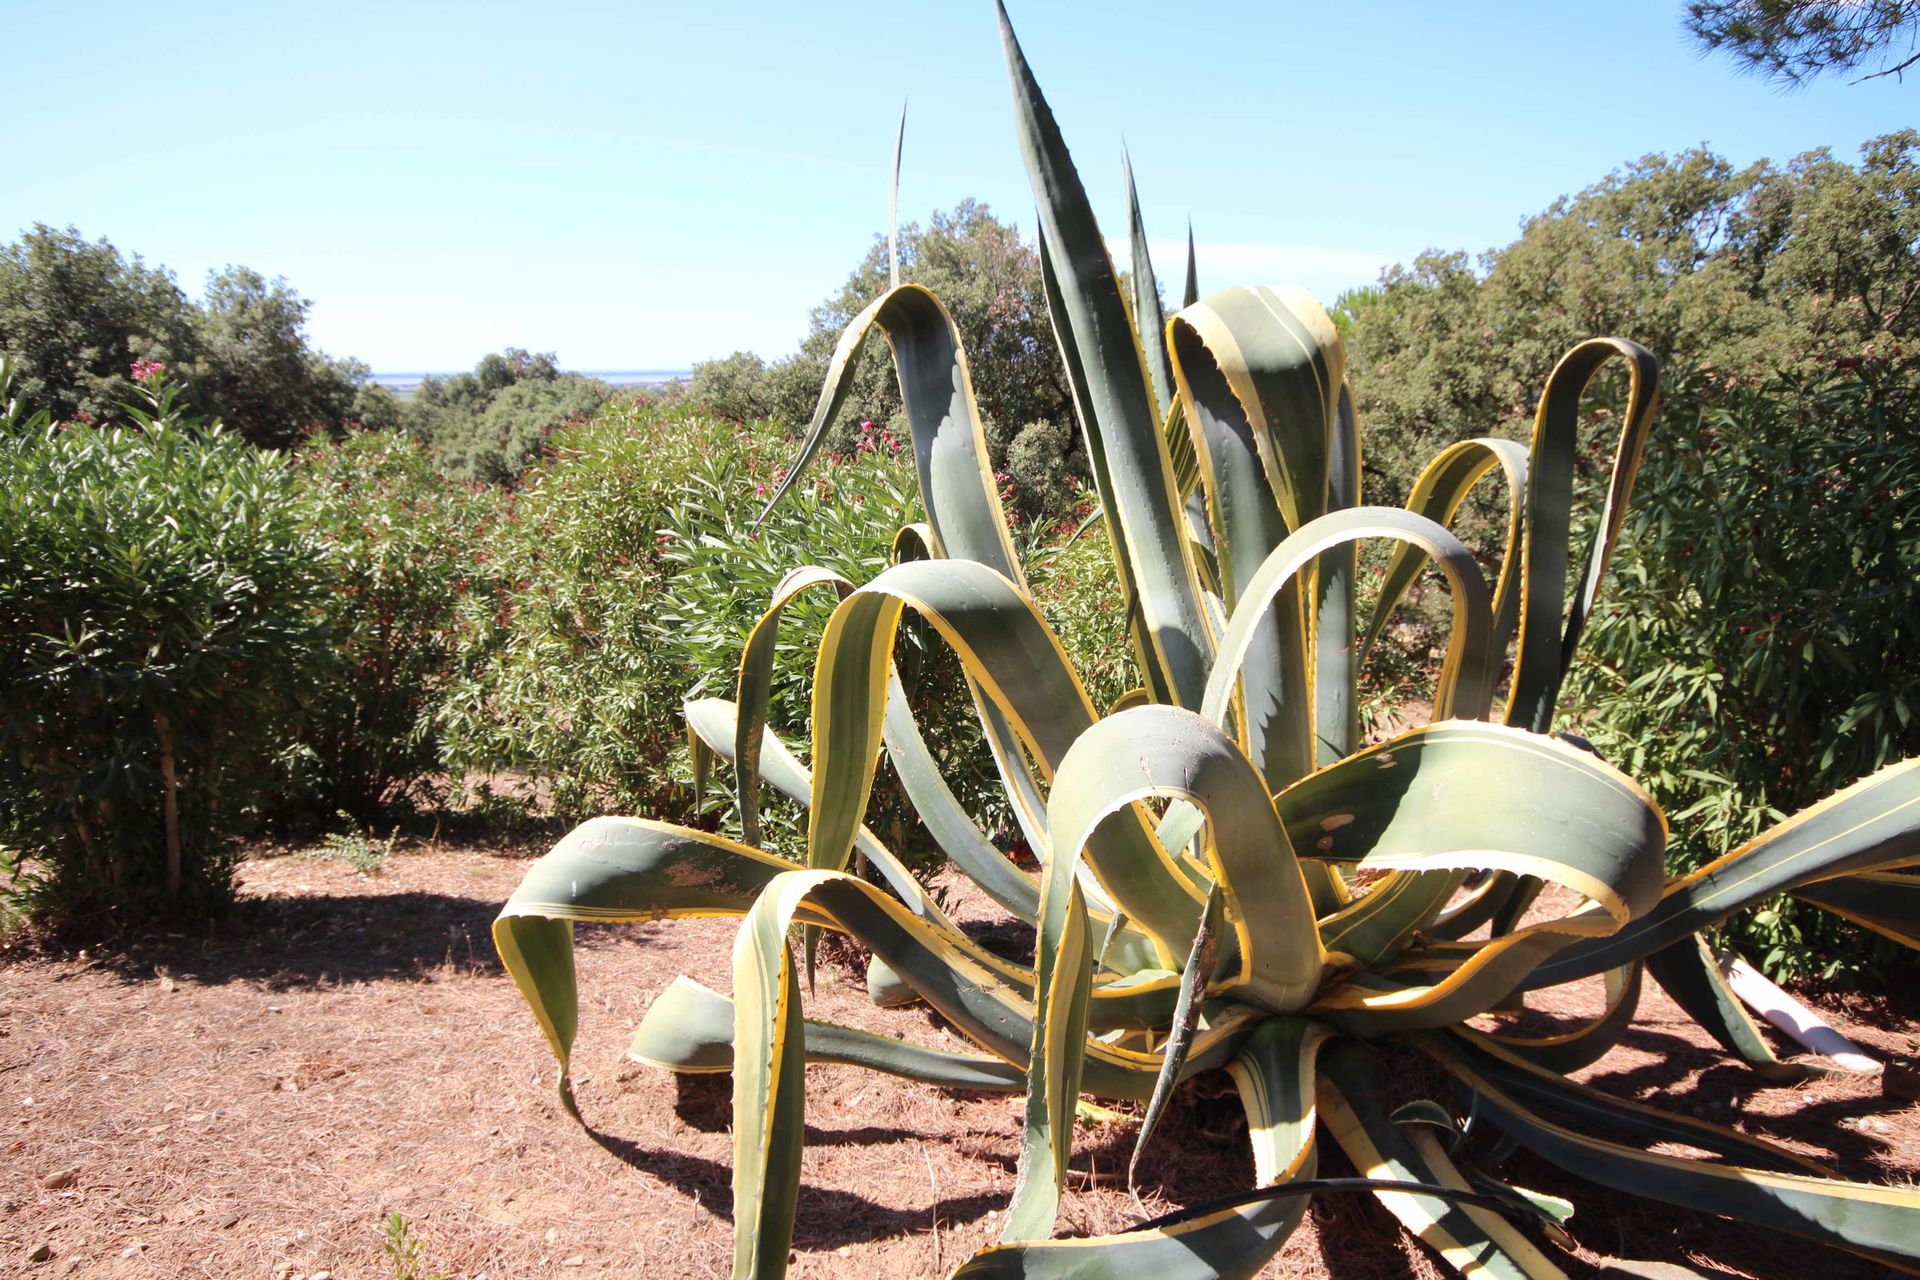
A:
x: 645, y: 185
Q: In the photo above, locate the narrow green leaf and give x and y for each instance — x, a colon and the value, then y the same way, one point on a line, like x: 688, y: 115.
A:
x: 1546, y: 646
x: 689, y: 1028
x: 1475, y: 1240
x: 1107, y: 370
x: 1879, y: 1221
x: 1149, y: 321
x: 1687, y: 972
x: 1873, y: 825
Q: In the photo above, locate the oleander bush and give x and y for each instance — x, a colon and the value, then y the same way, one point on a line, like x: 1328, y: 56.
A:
x: 624, y: 572
x: 400, y: 538
x: 163, y: 617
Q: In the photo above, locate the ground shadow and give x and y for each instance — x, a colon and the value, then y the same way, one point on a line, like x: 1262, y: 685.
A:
x: 826, y: 1218
x: 320, y: 940
x: 704, y: 1101
x: 1619, y: 1226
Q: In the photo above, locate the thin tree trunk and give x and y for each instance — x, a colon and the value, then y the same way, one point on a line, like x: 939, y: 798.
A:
x: 170, y: 806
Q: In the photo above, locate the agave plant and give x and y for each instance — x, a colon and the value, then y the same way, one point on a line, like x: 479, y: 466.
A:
x: 1229, y: 878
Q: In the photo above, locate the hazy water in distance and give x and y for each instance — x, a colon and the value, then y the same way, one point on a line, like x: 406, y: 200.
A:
x: 405, y: 384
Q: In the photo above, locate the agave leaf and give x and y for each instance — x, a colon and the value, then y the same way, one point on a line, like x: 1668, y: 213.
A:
x: 1438, y: 492
x: 1274, y: 1071
x: 1687, y: 972
x: 1108, y: 373
x: 1056, y: 1063
x: 1278, y: 356
x: 1463, y: 794
x: 768, y: 1044
x: 1336, y: 714
x: 1139, y: 754
x: 1148, y: 319
x: 631, y: 869
x: 1245, y: 518
x: 1271, y: 957
x: 893, y: 203
x: 713, y: 723
x: 689, y: 1028
x: 1446, y: 984
x: 1873, y: 825
x: 1465, y: 675
x: 1887, y: 903
x: 754, y: 687
x: 1103, y: 484
x: 1878, y: 1221
x: 1546, y: 646
x: 981, y: 1001
x: 1202, y: 961
x: 1380, y: 924
x: 769, y: 1090
x: 946, y: 819
x: 1475, y: 909
x: 1475, y: 1240
x: 949, y: 444
x: 1464, y: 1049
x: 1584, y: 1046
x: 1005, y: 645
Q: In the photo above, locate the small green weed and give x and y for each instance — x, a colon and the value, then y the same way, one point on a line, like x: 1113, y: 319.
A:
x: 406, y: 1251
x: 358, y: 849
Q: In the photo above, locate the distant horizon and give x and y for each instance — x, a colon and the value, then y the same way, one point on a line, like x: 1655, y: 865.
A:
x: 401, y: 382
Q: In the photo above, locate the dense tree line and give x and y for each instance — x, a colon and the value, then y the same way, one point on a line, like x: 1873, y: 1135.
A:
x: 1733, y: 276
x: 75, y: 315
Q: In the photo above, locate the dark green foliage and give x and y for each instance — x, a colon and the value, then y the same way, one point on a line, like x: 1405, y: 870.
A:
x: 75, y: 316
x: 253, y: 367
x: 1762, y: 646
x: 490, y: 425
x: 1792, y: 41
x: 990, y: 281
x: 624, y: 573
x: 402, y: 540
x: 1076, y: 588
x: 161, y: 596
x: 734, y: 387
x: 1729, y: 276
x: 1040, y: 466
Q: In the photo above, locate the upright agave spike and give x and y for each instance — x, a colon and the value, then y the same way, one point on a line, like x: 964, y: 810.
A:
x: 1191, y: 294
x: 893, y: 203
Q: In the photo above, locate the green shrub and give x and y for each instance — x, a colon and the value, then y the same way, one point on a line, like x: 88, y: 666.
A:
x: 731, y: 387
x: 498, y: 443
x: 401, y: 539
x: 1074, y: 584
x: 1763, y: 646
x: 161, y: 618
x: 604, y: 596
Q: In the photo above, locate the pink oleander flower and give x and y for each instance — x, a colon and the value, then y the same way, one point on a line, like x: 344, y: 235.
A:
x: 146, y: 370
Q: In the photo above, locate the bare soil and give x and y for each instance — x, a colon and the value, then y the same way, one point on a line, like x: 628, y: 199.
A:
x: 256, y: 1100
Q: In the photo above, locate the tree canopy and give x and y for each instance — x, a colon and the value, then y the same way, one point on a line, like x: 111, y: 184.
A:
x: 75, y: 315
x: 1792, y: 41
x: 492, y: 423
x: 1732, y: 276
